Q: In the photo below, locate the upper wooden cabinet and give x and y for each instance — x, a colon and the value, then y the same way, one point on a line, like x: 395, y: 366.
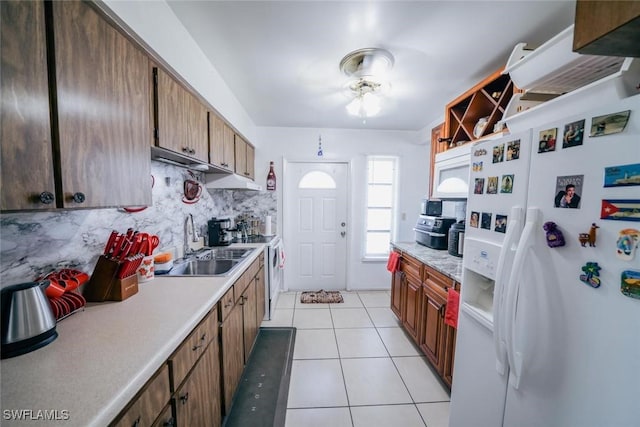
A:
x: 245, y: 158
x: 27, y: 158
x: 488, y: 99
x: 181, y: 120
x: 609, y: 28
x: 98, y: 153
x: 222, y: 152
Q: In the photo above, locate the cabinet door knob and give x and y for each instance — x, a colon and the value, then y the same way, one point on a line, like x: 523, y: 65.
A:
x: 192, y: 151
x: 185, y: 149
x: 46, y: 197
x: 78, y: 197
x: 136, y: 423
x: 169, y: 423
x: 184, y: 398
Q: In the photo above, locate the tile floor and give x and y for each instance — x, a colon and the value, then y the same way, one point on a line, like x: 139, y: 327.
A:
x: 354, y: 366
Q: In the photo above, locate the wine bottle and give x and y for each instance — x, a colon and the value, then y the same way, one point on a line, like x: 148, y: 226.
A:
x: 271, y: 178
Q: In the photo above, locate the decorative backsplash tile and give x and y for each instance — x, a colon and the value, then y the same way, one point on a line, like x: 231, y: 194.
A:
x: 34, y: 243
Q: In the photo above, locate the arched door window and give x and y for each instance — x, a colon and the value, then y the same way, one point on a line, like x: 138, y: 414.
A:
x: 317, y: 180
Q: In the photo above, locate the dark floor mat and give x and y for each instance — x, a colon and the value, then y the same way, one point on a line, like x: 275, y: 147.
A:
x: 261, y: 397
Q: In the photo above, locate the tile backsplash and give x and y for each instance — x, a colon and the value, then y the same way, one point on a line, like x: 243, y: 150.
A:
x: 34, y: 243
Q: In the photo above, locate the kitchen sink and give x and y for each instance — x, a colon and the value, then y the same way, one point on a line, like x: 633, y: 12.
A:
x: 211, y: 262
x: 204, y: 267
x: 224, y: 253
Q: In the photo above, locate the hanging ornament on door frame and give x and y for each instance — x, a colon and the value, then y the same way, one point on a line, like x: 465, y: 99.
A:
x: 320, y: 152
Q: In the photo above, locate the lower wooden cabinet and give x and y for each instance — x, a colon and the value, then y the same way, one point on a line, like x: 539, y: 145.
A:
x: 260, y: 295
x: 432, y: 325
x: 419, y: 300
x: 232, y: 354
x: 411, y: 312
x: 198, y: 399
x: 149, y: 403
x: 249, y: 319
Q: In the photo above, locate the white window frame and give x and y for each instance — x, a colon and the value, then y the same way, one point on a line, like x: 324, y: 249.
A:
x: 393, y: 209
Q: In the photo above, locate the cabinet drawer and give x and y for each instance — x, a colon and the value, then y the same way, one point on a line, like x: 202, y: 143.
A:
x: 149, y: 403
x: 192, y: 348
x: 227, y: 302
x: 436, y: 278
x: 411, y: 267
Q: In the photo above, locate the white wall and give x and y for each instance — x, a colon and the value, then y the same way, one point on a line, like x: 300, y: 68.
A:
x: 300, y: 144
x: 154, y: 23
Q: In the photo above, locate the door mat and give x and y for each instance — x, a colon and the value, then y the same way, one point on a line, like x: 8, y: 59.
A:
x: 321, y: 296
x: 261, y: 397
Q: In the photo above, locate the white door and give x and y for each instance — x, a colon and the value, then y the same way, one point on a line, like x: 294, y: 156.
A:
x: 315, y: 221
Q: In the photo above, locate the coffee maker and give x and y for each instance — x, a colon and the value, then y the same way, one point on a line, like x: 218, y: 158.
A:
x: 219, y: 234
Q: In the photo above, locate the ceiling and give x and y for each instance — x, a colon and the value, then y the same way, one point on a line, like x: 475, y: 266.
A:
x: 281, y: 58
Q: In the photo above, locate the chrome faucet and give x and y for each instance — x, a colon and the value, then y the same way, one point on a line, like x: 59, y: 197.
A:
x: 189, y: 230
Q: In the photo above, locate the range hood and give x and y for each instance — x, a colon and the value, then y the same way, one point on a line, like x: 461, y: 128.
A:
x: 230, y: 182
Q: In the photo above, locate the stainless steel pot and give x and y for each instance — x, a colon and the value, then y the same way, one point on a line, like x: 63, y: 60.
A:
x: 28, y: 322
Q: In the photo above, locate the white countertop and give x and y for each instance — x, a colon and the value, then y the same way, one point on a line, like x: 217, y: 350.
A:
x: 106, y: 353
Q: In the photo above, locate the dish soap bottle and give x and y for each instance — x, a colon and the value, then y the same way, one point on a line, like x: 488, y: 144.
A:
x: 271, y: 178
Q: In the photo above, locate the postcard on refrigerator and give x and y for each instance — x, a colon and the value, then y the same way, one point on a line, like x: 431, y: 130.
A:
x: 568, y: 191
x: 622, y: 176
x: 621, y: 209
x: 609, y: 123
x: 547, y: 140
x: 573, y: 134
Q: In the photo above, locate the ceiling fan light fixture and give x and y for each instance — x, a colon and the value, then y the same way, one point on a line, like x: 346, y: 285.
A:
x: 367, y: 63
x: 368, y: 69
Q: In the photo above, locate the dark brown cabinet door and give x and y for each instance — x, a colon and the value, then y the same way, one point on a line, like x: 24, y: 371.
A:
x: 260, y: 296
x: 249, y: 313
x: 241, y: 156
x: 232, y: 354
x: 229, y: 148
x: 182, y: 119
x: 448, y: 357
x: 411, y: 317
x: 27, y: 163
x: 103, y: 111
x: 216, y: 140
x: 396, y: 293
x: 431, y: 335
x: 250, y: 161
x: 198, y: 400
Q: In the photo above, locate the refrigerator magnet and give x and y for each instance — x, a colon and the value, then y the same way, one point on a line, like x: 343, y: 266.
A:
x: 477, y: 166
x: 474, y: 219
x: 568, y: 190
x: 589, y: 237
x: 620, y: 209
x: 501, y: 224
x: 506, y: 185
x: 622, y: 175
x: 573, y: 134
x: 478, y: 186
x: 591, y: 272
x: 479, y: 152
x: 630, y: 283
x: 485, y: 222
x: 498, y: 153
x: 627, y: 243
x: 554, y: 236
x: 513, y: 150
x: 609, y: 123
x: 547, y: 140
x: 492, y: 185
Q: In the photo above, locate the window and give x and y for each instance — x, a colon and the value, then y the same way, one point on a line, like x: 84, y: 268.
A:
x: 381, y: 176
x: 317, y: 180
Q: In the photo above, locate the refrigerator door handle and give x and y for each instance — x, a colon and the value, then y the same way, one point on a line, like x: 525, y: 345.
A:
x: 502, y: 288
x: 515, y: 280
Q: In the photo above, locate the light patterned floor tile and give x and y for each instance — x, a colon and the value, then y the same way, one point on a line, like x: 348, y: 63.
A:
x: 435, y: 414
x: 420, y: 380
x: 312, y: 319
x: 398, y: 342
x: 281, y: 317
x: 386, y: 416
x: 351, y: 318
x: 318, y: 417
x: 361, y: 342
x: 315, y: 344
x: 373, y: 381
x: 383, y: 317
x: 316, y: 383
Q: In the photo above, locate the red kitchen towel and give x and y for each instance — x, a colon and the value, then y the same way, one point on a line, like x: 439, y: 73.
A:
x: 451, y: 312
x: 392, y: 264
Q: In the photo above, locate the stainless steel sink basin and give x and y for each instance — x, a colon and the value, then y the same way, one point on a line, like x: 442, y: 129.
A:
x: 209, y: 267
x: 224, y: 253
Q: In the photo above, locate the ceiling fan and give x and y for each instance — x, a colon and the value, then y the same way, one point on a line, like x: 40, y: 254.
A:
x: 368, y: 70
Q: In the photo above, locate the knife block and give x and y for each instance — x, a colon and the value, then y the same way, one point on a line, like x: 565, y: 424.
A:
x: 105, y: 285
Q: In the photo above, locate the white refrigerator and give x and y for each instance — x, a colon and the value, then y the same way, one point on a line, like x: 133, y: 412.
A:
x: 549, y: 333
